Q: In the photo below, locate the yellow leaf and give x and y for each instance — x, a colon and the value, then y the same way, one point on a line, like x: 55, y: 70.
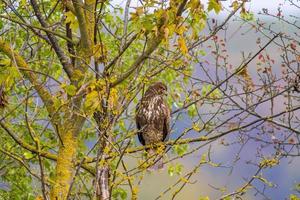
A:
x: 92, y: 102
x: 166, y: 33
x: 204, y: 198
x: 5, y: 62
x: 243, y: 72
x: 97, y: 51
x: 39, y: 198
x: 23, y: 3
x: 139, y: 11
x: 106, y: 150
x: 155, y: 30
x: 214, y: 5
x: 70, y: 18
x: 100, y: 52
x: 57, y: 103
x: 77, y: 74
x: 203, y: 158
x: 181, y: 30
x: 294, y: 197
x: 135, y: 190
x: 194, y: 4
x: 70, y: 90
x: 235, y: 5
x: 196, y: 127
x: 133, y: 16
x: 214, y: 164
x: 182, y: 46
x: 265, y: 162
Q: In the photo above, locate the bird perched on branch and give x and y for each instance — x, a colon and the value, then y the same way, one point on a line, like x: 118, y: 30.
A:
x: 153, y: 121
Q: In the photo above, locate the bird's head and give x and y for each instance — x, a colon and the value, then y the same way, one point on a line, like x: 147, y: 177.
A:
x: 158, y: 88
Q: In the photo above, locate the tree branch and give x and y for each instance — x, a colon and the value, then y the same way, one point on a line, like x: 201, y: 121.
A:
x: 26, y: 145
x: 229, y: 77
x: 85, y: 41
x: 65, y: 61
x: 69, y: 6
x: 124, y: 48
x: 32, y: 149
x: 152, y: 46
x: 138, y: 61
x: 33, y: 27
x: 21, y: 64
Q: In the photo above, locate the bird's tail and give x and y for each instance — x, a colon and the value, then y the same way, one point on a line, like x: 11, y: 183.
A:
x: 156, y: 160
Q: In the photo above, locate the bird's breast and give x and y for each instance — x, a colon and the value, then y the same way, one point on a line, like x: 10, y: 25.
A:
x: 152, y: 109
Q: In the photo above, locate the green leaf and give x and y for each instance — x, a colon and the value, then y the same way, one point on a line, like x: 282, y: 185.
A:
x: 70, y: 90
x: 197, y: 127
x: 214, y: 5
x: 171, y: 170
x: 8, y: 72
x: 214, y: 95
x: 192, y: 111
x: 180, y: 149
x: 119, y: 193
x: 248, y: 16
x: 202, y: 52
x: 178, y: 168
x: 28, y: 155
x: 203, y: 158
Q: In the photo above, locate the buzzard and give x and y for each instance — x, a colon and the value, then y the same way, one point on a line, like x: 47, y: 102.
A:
x: 153, y: 120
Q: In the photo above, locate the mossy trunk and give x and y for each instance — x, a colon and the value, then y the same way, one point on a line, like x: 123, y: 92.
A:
x: 65, y: 166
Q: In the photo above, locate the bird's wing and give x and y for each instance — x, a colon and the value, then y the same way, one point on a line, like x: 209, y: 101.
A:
x: 166, y: 127
x: 138, y: 125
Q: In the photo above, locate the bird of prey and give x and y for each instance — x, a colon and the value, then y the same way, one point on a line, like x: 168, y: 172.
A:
x: 153, y: 121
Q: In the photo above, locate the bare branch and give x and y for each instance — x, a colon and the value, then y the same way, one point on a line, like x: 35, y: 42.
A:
x: 65, y: 61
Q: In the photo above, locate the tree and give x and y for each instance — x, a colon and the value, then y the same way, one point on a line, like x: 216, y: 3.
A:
x: 73, y: 71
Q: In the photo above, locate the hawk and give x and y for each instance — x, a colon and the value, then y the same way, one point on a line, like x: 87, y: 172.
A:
x: 153, y: 120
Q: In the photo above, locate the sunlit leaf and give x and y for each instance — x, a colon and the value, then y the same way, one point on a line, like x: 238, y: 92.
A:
x: 70, y: 90
x: 28, y: 155
x: 182, y: 46
x: 214, y: 5
x: 71, y: 18
x: 294, y: 197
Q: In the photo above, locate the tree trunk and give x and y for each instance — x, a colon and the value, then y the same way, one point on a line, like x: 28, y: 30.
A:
x: 65, y: 166
x: 103, y: 183
x: 103, y: 172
